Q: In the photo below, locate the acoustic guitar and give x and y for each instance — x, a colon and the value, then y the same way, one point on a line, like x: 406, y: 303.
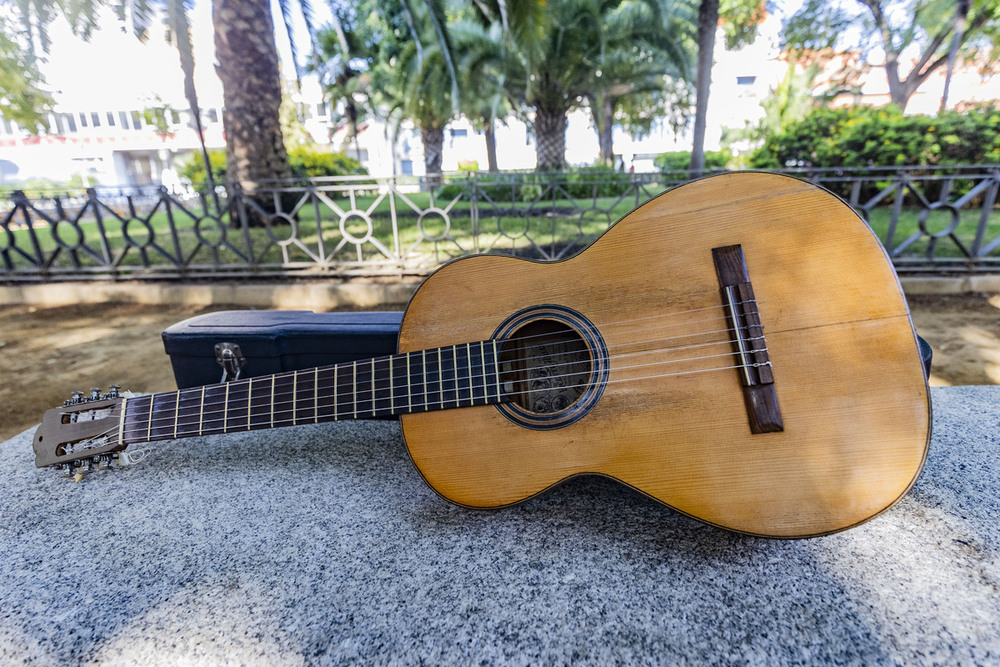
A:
x: 738, y: 348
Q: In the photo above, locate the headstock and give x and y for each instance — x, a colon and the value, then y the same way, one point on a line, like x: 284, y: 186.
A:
x: 82, y: 435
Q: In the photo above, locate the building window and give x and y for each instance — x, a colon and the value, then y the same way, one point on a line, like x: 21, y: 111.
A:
x: 212, y: 115
x: 406, y: 166
x: 745, y: 80
x: 95, y: 119
x: 111, y: 118
x: 321, y: 110
x: 123, y: 117
x: 83, y: 119
x: 136, y: 120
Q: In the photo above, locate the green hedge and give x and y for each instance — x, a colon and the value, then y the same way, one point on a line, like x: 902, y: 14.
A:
x: 883, y: 137
x: 576, y: 183
x: 681, y: 160
x: 305, y: 161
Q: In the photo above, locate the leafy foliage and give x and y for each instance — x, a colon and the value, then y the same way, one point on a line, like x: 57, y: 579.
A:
x: 900, y: 29
x: 306, y: 162
x: 22, y: 97
x: 681, y: 160
x: 867, y: 137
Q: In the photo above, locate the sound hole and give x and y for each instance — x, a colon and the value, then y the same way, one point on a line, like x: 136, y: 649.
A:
x: 545, y: 366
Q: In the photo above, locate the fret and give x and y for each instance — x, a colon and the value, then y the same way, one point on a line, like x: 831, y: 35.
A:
x: 316, y: 397
x: 189, y: 403
x: 468, y: 359
x: 283, y: 399
x: 136, y: 425
x: 304, y: 390
x: 249, y: 401
x: 441, y: 376
x: 163, y: 410
x: 201, y: 410
x: 295, y: 386
x: 177, y: 412
x: 272, y: 401
x: 260, y: 402
x: 225, y: 409
x: 382, y: 387
x: 496, y: 368
x: 486, y: 373
x: 373, y: 387
x: 121, y: 422
x: 336, y: 390
x: 409, y: 390
x: 149, y: 420
x: 214, y: 411
x: 237, y: 416
x: 426, y: 393
x: 355, y: 388
x: 399, y: 381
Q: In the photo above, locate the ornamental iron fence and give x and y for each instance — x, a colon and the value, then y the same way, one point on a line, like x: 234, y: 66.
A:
x: 929, y: 220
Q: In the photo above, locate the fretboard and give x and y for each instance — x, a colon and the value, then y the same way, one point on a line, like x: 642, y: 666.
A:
x: 450, y: 377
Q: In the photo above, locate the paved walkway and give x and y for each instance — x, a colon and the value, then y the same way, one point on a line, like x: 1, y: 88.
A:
x: 321, y: 545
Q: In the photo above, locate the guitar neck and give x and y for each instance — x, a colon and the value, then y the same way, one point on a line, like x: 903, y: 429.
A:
x: 449, y: 377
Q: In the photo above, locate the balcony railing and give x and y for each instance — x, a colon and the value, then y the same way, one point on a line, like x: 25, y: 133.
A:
x: 930, y: 220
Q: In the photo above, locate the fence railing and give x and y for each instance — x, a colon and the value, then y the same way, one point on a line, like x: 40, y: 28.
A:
x: 930, y: 220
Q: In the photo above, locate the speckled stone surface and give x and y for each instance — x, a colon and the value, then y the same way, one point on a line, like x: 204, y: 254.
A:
x: 322, y: 545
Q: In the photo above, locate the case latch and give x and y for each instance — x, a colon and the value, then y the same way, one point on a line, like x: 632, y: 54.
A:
x: 229, y: 356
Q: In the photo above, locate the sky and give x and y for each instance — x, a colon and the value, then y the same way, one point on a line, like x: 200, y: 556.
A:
x: 114, y: 70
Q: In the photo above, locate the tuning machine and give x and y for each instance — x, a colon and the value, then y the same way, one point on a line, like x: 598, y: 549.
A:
x: 78, y: 397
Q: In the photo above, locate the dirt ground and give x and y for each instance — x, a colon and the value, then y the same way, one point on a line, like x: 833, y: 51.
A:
x: 45, y: 353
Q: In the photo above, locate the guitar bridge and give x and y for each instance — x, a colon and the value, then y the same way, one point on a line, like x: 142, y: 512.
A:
x: 749, y: 343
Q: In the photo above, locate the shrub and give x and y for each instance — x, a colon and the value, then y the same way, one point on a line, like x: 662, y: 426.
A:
x: 305, y: 161
x: 883, y: 137
x: 681, y: 160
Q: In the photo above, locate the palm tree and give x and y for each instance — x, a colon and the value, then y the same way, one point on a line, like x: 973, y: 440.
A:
x: 483, y: 96
x: 425, y: 92
x: 554, y: 71
x: 708, y: 21
x: 646, y: 42
x: 248, y: 67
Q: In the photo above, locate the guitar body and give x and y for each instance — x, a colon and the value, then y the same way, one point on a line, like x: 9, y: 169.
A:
x: 664, y: 410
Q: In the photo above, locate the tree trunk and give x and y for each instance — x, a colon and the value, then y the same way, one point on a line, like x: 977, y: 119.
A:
x: 605, y: 126
x: 251, y: 85
x: 550, y: 137
x: 491, y: 145
x: 956, y: 41
x: 708, y: 20
x: 433, y: 139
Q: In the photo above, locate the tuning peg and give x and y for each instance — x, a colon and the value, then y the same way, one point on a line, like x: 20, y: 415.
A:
x: 113, y: 391
x: 95, y: 393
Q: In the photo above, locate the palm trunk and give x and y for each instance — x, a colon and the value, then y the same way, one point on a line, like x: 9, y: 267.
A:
x: 708, y: 20
x: 550, y: 136
x: 251, y: 82
x: 433, y: 139
x: 605, y: 126
x: 491, y: 145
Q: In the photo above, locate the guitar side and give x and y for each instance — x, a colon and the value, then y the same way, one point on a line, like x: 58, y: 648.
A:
x: 847, y: 372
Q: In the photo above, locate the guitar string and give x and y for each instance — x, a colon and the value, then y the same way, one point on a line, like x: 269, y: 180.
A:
x: 606, y: 358
x: 214, y: 409
x: 374, y: 401
x: 108, y: 440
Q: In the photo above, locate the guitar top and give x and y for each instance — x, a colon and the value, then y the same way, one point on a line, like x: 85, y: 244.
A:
x: 738, y: 348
